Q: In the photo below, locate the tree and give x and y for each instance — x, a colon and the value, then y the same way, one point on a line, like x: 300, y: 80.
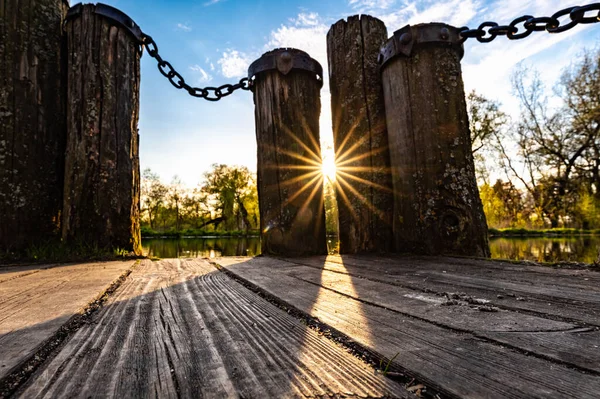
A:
x: 153, y: 195
x: 580, y: 89
x: 195, y: 208
x: 233, y: 189
x: 176, y: 194
x: 486, y: 122
x: 559, y: 145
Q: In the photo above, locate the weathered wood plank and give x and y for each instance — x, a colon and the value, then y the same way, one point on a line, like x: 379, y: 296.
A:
x: 12, y: 272
x: 463, y: 313
x: 102, y: 186
x: 32, y: 121
x: 33, y: 306
x: 437, y: 206
x: 290, y: 182
x: 183, y: 329
x: 455, y: 362
x: 569, y: 294
x: 364, y: 183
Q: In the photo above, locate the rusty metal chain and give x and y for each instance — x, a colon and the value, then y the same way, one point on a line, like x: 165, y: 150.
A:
x: 207, y: 93
x: 488, y: 31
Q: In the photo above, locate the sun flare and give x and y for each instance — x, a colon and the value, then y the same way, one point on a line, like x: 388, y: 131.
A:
x: 328, y: 167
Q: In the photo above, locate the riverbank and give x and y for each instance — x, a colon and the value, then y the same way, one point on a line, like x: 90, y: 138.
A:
x: 197, y: 233
x: 559, y: 232
x: 55, y: 251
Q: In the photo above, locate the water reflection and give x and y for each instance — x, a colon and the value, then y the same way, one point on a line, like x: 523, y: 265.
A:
x: 201, y: 247
x: 539, y: 249
x: 545, y: 249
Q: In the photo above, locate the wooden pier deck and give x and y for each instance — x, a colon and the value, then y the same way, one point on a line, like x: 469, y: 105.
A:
x: 304, y: 327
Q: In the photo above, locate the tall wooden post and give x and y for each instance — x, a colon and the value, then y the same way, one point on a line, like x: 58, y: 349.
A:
x: 32, y: 125
x: 290, y: 182
x: 102, y: 179
x: 363, y: 183
x: 437, y: 205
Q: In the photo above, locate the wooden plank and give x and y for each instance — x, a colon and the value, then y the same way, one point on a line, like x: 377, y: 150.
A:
x: 33, y: 306
x: 466, y: 314
x: 455, y: 362
x: 12, y: 272
x: 568, y: 294
x: 179, y: 328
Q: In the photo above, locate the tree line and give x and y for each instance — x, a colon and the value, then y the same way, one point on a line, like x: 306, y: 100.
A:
x: 226, y: 200
x: 548, y: 158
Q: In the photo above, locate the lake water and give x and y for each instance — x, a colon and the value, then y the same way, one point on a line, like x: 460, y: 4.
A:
x: 540, y: 249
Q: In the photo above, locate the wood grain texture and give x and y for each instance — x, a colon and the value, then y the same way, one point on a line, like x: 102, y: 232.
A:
x: 180, y: 328
x: 290, y: 182
x: 32, y: 121
x: 36, y: 302
x: 102, y: 181
x: 456, y: 348
x: 437, y: 204
x: 364, y: 183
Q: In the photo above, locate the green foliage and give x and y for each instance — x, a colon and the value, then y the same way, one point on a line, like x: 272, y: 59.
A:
x: 56, y: 251
x: 234, y: 194
x: 556, y: 232
x: 550, y: 155
x: 225, y: 203
x: 190, y: 232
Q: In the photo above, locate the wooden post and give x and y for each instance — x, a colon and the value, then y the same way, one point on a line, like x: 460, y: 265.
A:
x: 32, y: 125
x: 437, y: 207
x: 290, y: 183
x: 102, y: 171
x: 364, y: 182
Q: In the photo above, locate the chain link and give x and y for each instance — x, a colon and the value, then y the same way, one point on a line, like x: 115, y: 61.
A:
x: 178, y: 81
x: 524, y: 26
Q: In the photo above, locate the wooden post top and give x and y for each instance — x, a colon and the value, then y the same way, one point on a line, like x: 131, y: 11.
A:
x: 115, y: 15
x: 404, y: 41
x: 285, y: 60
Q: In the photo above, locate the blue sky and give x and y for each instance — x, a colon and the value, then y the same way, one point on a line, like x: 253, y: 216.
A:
x: 211, y: 42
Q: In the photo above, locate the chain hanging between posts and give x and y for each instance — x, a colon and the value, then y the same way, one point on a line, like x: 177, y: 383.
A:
x: 207, y: 93
x: 488, y: 31
x: 166, y: 69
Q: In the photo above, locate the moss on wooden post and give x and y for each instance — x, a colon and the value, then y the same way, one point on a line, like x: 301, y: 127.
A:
x: 32, y: 125
x: 102, y: 179
x: 290, y: 183
x: 364, y: 183
x: 437, y: 207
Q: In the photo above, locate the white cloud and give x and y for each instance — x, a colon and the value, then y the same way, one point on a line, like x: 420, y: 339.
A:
x: 205, y: 77
x: 211, y: 2
x: 184, y: 27
x: 308, y: 32
x: 307, y: 19
x: 234, y: 64
x: 453, y: 12
x: 364, y: 6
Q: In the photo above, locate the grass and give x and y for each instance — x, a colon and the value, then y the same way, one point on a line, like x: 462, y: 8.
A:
x: 54, y: 251
x: 386, y: 370
x: 557, y: 232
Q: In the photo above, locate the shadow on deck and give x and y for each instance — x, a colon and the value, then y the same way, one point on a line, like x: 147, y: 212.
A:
x: 463, y: 328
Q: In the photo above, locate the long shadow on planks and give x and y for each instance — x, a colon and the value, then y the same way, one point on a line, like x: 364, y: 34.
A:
x: 457, y: 347
x: 179, y: 328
